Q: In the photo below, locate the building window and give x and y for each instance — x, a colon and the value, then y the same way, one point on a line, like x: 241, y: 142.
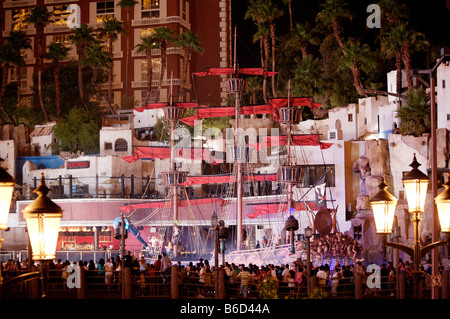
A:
x: 448, y: 117
x: 338, y: 125
x: 104, y: 9
x: 156, y: 68
x: 183, y: 9
x: 108, y: 146
x: 18, y: 19
x: 350, y: 117
x: 443, y: 84
x: 149, y: 9
x: 61, y: 38
x: 60, y: 15
x: 121, y: 145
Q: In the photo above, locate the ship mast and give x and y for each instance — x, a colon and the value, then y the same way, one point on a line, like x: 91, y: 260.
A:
x: 173, y: 178
x: 288, y: 173
x: 236, y: 86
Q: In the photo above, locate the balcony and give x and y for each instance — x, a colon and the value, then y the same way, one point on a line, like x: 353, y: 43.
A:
x: 19, y: 4
x: 158, y: 21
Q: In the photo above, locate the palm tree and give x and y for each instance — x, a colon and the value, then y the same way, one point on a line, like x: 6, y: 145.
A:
x: 255, y: 13
x: 82, y: 38
x: 147, y: 45
x: 272, y: 12
x: 412, y: 41
x: 309, y: 78
x: 391, y: 46
x: 190, y: 42
x: 98, y: 59
x: 19, y: 41
x: 415, y: 116
x: 111, y: 29
x: 392, y: 11
x: 40, y: 16
x: 162, y: 37
x: 8, y: 57
x: 302, y: 35
x: 332, y: 14
x: 291, y: 22
x: 128, y: 5
x: 358, y: 57
x: 56, y: 52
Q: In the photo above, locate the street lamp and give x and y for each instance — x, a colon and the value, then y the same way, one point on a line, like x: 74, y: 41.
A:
x: 6, y: 190
x: 43, y: 217
x: 383, y: 205
x: 443, y: 207
x: 415, y: 183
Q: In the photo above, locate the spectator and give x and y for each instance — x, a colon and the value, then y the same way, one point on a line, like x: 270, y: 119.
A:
x: 244, y: 276
x: 109, y: 268
x: 166, y: 263
x: 322, y: 277
x: 337, y: 275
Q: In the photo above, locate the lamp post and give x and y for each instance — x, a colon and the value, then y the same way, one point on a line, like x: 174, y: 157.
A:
x: 223, y: 235
x: 214, y: 224
x: 43, y: 217
x: 308, y: 235
x: 6, y: 190
x: 445, y: 54
x: 383, y: 206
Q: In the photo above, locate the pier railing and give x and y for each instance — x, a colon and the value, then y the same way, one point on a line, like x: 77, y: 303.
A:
x: 180, y: 284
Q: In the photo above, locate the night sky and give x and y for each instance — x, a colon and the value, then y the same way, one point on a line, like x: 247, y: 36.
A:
x: 430, y: 17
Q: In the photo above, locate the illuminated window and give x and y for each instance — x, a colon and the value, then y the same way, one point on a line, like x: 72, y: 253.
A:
x: 61, y: 38
x: 60, y: 15
x: 104, y: 9
x: 18, y: 19
x: 156, y: 68
x: 150, y: 9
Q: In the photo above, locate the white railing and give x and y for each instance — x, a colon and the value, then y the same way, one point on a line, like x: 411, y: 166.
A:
x: 166, y: 20
x: 15, y: 4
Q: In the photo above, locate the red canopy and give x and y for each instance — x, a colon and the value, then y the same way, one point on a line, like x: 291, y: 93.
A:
x: 216, y: 179
x: 297, y: 140
x: 148, y: 152
x: 181, y: 203
x: 229, y: 71
x: 275, y: 208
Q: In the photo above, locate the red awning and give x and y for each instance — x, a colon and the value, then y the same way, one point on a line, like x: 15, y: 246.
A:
x: 275, y: 208
x: 297, y: 140
x: 217, y: 179
x: 229, y: 71
x: 181, y: 203
x: 150, y: 152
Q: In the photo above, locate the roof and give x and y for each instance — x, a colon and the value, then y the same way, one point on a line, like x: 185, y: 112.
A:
x: 42, y: 130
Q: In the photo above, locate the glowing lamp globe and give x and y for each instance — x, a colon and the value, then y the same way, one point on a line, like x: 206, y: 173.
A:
x: 383, y: 206
x: 416, y: 187
x: 443, y: 207
x: 43, y: 217
x: 6, y: 191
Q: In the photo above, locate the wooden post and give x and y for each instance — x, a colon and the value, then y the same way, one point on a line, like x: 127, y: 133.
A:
x: 81, y: 290
x: 127, y: 283
x: 174, y: 288
x: 358, y: 286
x: 401, y: 286
x: 220, y: 288
x: 444, y: 294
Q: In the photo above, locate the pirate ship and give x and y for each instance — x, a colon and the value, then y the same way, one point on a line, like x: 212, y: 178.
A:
x: 181, y: 220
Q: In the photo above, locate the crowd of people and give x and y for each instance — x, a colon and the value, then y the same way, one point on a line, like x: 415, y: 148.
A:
x: 241, y: 280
